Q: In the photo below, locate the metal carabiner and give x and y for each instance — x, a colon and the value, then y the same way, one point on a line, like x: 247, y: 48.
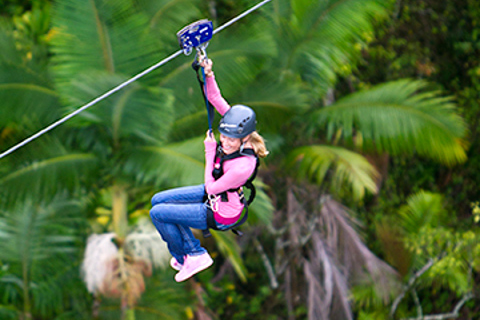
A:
x: 212, y: 202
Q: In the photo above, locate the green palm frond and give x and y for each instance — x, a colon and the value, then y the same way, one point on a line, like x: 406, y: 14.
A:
x: 348, y: 168
x: 163, y: 299
x: 191, y: 126
x: 101, y: 35
x: 172, y: 165
x: 423, y: 209
x: 22, y: 101
x: 317, y: 38
x: 230, y: 249
x: 42, y: 179
x: 27, y: 100
x: 399, y: 117
x: 261, y: 210
x: 275, y: 102
x: 9, y: 54
x: 242, y: 52
x: 338, y: 20
x: 36, y: 231
x: 8, y: 312
x: 38, y: 241
x: 136, y: 111
x: 167, y: 17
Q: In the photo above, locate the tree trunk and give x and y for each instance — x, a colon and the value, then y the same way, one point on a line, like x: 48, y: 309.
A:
x: 119, y: 211
x: 120, y: 226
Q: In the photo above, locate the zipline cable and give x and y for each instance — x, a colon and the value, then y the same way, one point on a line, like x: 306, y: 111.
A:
x: 91, y: 103
x: 240, y: 16
x: 122, y: 85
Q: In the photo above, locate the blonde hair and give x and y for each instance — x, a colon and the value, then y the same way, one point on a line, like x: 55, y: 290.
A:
x: 258, y: 144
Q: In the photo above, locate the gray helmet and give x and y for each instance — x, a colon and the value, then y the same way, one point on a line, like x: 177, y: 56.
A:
x: 238, y: 122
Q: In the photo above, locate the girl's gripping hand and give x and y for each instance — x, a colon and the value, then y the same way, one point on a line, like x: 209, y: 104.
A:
x: 207, y: 66
x: 210, y: 137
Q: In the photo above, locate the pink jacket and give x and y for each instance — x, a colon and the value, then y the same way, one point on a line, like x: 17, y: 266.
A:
x: 236, y: 171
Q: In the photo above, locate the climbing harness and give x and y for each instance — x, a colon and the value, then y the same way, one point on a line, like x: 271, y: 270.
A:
x: 212, y: 200
x: 134, y: 78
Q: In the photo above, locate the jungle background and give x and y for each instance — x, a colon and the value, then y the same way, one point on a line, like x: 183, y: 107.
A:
x: 367, y: 206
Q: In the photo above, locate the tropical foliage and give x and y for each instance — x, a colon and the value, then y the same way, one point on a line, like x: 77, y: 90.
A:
x: 365, y: 202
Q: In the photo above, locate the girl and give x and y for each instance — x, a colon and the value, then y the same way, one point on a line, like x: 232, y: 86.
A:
x: 175, y: 211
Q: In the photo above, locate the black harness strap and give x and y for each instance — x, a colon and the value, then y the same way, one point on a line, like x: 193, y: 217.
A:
x: 217, y: 173
x: 203, y: 89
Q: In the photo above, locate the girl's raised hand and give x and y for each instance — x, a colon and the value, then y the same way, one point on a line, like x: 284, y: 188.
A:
x: 207, y: 66
x: 210, y: 136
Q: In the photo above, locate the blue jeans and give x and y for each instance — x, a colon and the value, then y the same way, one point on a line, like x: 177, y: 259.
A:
x: 174, y: 212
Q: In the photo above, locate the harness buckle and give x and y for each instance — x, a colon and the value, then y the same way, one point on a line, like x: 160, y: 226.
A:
x: 241, y: 195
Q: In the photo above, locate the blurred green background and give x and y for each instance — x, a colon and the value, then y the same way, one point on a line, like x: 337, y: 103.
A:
x: 367, y: 206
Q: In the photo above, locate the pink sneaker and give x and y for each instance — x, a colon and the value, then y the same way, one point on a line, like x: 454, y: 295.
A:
x: 193, y: 265
x: 175, y: 264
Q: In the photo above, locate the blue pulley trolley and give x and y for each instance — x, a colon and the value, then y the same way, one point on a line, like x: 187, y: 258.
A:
x: 195, y: 35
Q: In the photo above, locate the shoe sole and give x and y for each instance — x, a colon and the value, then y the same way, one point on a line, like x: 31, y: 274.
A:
x: 194, y: 272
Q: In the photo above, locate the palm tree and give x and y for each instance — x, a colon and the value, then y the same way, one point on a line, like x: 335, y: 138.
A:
x: 93, y: 49
x: 40, y: 228
x: 133, y: 134
x: 114, y: 132
x: 38, y: 244
x: 315, y: 42
x: 434, y: 254
x: 149, y: 134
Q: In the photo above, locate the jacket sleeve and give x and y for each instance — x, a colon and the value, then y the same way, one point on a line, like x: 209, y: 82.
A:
x: 215, y: 97
x: 210, y: 149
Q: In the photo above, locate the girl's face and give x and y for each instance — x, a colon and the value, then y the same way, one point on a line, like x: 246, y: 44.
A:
x: 230, y: 145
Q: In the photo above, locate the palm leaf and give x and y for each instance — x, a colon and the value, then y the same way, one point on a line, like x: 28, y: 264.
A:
x: 163, y: 299
x: 22, y: 99
x: 167, y: 17
x: 394, y: 118
x: 261, y: 210
x: 275, y: 104
x: 38, y: 242
x: 316, y: 38
x: 230, y: 249
x: 43, y: 178
x: 136, y: 112
x: 190, y: 126
x: 100, y: 35
x: 31, y: 233
x: 171, y: 165
x: 28, y: 102
x: 423, y: 209
x: 9, y: 54
x: 349, y: 168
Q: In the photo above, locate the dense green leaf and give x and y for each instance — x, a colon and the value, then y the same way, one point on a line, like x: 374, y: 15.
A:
x: 396, y: 118
x: 315, y: 162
